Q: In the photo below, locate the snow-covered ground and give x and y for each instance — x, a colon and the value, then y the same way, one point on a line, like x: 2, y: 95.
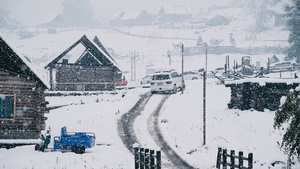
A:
x: 247, y: 131
x: 182, y: 127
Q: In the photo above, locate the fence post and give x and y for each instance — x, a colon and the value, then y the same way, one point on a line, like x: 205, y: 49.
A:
x: 158, y: 159
x: 136, y: 157
x: 219, y: 158
x: 232, y: 160
x: 147, y: 158
x: 224, y: 158
x: 250, y: 161
x: 142, y: 159
x: 151, y: 159
x: 241, y: 159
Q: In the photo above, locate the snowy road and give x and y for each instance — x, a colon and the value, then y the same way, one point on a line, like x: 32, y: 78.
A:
x: 140, y: 125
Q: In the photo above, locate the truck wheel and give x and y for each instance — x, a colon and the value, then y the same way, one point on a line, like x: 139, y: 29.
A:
x: 75, y: 149
x: 81, y: 150
x: 42, y: 148
x: 37, y: 147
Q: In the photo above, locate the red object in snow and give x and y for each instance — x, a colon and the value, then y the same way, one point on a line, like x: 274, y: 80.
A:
x: 121, y: 82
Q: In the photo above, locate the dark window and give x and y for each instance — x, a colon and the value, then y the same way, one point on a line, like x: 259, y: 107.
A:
x: 7, y: 106
x: 161, y: 77
x: 174, y: 75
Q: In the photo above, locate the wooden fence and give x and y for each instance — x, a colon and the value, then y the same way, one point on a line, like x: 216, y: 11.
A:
x: 146, y: 159
x: 222, y: 159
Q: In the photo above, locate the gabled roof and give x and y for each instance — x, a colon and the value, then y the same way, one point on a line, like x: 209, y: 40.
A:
x: 117, y: 16
x: 93, y: 49
x: 6, y: 22
x: 58, y: 21
x: 174, y: 9
x: 13, y: 61
x: 133, y: 14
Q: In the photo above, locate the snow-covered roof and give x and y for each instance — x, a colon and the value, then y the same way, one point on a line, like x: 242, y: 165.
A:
x: 105, y: 52
x: 78, y: 48
x: 132, y: 14
x: 222, y: 37
x: 25, y: 61
x: 6, y: 21
x: 117, y: 16
x: 175, y: 9
x: 263, y: 81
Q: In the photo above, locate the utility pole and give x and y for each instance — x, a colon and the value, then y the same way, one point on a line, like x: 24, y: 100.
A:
x: 182, y: 62
x: 131, y: 65
x: 183, y: 85
x: 204, y: 96
x: 169, y: 56
x: 133, y: 56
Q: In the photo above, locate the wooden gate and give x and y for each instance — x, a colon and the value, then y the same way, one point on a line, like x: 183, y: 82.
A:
x: 146, y: 159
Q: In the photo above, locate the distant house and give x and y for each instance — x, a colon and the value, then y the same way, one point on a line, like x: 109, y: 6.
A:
x: 6, y: 22
x: 84, y: 66
x: 58, y: 22
x: 173, y: 14
x: 274, y: 59
x: 22, y: 98
x: 132, y: 18
x: 116, y: 19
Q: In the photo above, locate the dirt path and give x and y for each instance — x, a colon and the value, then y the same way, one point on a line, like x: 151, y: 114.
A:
x: 170, y: 159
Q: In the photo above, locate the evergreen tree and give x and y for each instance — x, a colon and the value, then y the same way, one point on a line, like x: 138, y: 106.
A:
x: 293, y: 23
x: 289, y: 112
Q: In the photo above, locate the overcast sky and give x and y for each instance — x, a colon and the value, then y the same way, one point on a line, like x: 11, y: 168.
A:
x: 32, y: 12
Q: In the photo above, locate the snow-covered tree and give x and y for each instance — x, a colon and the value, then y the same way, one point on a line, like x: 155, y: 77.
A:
x: 259, y: 10
x: 78, y: 12
x: 289, y: 113
x: 293, y: 23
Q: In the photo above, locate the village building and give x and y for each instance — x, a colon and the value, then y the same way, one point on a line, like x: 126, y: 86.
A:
x: 173, y: 14
x: 22, y: 98
x: 133, y: 18
x: 6, y: 22
x: 84, y: 66
x: 57, y: 22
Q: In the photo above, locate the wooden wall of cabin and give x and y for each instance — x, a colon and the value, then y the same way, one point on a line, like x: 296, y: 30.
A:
x: 30, y: 106
x: 78, y: 78
x: 246, y: 96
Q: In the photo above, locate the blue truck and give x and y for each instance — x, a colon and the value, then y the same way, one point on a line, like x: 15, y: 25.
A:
x: 75, y: 141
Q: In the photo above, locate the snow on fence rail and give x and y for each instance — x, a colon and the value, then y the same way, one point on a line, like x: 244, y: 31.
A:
x: 145, y: 159
x: 222, y: 159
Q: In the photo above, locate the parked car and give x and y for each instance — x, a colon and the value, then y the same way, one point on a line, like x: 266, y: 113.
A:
x: 166, y: 81
x: 121, y: 82
x: 146, y: 79
x: 191, y: 75
x: 282, y: 66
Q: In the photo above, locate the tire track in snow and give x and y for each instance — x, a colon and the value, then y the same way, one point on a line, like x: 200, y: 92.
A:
x: 141, y: 127
x: 125, y: 124
x: 153, y: 128
x: 130, y: 135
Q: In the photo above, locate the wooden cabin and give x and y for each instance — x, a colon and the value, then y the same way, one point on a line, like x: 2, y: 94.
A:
x: 259, y: 93
x: 22, y: 98
x: 85, y: 66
